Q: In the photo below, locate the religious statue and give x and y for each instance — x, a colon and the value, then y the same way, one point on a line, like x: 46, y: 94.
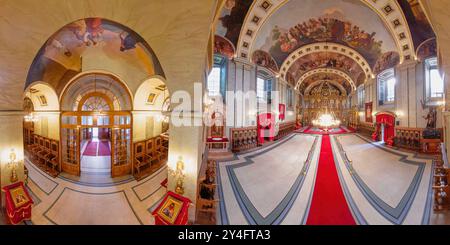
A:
x: 431, y: 118
x: 217, y: 127
x: 431, y: 132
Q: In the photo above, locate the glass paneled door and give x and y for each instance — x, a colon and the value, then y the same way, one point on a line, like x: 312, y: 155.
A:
x: 70, y: 142
x: 121, y: 146
x: 75, y: 127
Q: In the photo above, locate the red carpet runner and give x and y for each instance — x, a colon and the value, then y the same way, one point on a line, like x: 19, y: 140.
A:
x: 328, y: 206
x: 103, y: 149
x: 91, y: 149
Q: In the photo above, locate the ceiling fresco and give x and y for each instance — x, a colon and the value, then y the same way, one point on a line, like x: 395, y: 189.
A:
x: 325, y: 60
x: 62, y: 53
x: 347, y: 22
x: 223, y: 47
x: 264, y: 59
x: 325, y: 77
x: 231, y: 19
x: 418, y: 23
x: 427, y: 49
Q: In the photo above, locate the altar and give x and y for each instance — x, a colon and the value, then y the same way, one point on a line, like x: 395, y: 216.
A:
x: 217, y: 144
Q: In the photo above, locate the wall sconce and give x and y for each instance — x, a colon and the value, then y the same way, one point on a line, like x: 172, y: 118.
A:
x: 12, y: 164
x: 178, y: 173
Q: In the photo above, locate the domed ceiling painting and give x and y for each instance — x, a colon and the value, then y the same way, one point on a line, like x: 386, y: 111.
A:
x: 347, y: 22
x: 61, y: 57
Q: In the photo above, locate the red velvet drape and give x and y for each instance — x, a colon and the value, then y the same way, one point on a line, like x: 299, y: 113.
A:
x: 266, y: 123
x: 389, y: 125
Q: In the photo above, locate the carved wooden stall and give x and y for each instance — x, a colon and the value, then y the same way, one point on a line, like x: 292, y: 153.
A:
x: 28, y: 135
x: 44, y: 153
x: 207, y: 200
x: 441, y: 180
x: 409, y: 138
x: 366, y: 128
x: 243, y: 139
x: 414, y: 139
x: 149, y: 156
x: 285, y: 129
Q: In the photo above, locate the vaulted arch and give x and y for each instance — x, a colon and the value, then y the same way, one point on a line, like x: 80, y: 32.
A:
x: 343, y: 75
x: 389, y: 11
x: 326, y: 47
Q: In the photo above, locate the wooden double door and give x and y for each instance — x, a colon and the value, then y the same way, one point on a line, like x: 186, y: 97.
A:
x: 73, y: 124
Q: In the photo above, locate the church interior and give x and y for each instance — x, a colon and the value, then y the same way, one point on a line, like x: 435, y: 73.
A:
x: 224, y: 112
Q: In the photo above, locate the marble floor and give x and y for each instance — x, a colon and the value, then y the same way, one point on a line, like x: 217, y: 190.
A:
x: 273, y: 185
x: 63, y: 201
x: 383, y: 185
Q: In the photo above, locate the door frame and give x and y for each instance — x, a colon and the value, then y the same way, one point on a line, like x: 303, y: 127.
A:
x: 112, y: 125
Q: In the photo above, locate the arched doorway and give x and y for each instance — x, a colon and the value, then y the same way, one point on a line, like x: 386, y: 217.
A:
x: 96, y: 126
x: 385, y: 127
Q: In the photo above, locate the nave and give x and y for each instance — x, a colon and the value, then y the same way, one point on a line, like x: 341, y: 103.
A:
x: 330, y: 112
x: 268, y: 186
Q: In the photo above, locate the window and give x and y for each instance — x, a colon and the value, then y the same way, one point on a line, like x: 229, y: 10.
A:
x: 213, y: 85
x: 261, y: 89
x: 290, y: 97
x: 434, y: 82
x: 43, y: 100
x: 361, y: 96
x: 217, y: 79
x: 386, y: 87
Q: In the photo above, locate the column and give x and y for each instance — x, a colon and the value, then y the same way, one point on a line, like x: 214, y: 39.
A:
x: 406, y: 94
x: 11, y: 131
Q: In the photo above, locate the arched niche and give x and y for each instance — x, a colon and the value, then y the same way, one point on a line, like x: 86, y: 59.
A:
x: 151, y: 95
x: 43, y: 96
x: 108, y: 85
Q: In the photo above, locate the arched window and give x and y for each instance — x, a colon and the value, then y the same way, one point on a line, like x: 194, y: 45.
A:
x: 434, y: 85
x: 361, y: 96
x: 216, y: 83
x: 386, y: 87
x: 290, y: 97
x: 96, y: 104
x: 264, y: 87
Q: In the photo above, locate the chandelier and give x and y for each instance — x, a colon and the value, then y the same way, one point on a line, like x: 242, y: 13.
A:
x: 326, y: 120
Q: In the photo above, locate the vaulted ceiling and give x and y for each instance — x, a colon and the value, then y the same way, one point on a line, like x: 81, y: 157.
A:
x: 178, y: 31
x: 360, y: 38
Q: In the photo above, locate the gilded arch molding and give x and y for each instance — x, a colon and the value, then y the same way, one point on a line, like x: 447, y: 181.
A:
x: 328, y: 71
x: 389, y: 12
x: 326, y: 47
